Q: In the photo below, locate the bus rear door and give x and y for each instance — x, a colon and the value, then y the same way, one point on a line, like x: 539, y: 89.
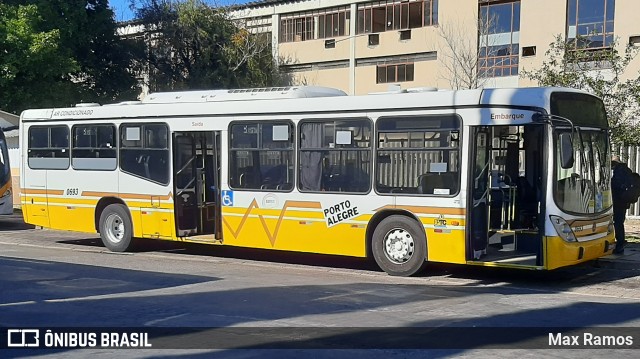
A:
x: 196, y: 178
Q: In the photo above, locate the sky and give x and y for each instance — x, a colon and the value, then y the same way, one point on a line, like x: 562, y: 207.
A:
x: 123, y: 12
x: 121, y: 9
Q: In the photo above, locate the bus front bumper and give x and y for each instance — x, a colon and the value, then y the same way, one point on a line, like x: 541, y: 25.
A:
x: 559, y: 253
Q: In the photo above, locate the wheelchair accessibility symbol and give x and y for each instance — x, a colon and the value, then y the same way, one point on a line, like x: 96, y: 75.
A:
x: 227, y: 198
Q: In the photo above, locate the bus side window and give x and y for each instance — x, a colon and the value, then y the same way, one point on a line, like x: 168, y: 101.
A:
x: 438, y: 183
x: 261, y: 155
x: 274, y: 176
x: 248, y: 177
x: 418, y: 154
x: 335, y: 155
x: 145, y: 156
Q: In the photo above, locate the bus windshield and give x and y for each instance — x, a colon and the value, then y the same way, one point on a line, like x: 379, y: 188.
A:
x: 584, y: 188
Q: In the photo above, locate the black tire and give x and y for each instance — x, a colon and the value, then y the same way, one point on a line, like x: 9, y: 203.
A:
x: 116, y: 229
x: 399, y: 246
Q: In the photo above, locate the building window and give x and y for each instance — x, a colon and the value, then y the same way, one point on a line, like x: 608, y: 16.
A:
x: 335, y: 155
x: 331, y: 22
x: 499, y: 37
x: 261, y: 156
x: 144, y: 151
x: 418, y: 155
x: 296, y: 28
x: 48, y: 147
x: 94, y: 147
x: 379, y: 16
x: 529, y: 51
x: 394, y: 73
x: 590, y: 23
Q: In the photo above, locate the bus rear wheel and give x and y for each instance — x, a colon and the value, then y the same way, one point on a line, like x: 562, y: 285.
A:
x: 399, y: 246
x: 115, y: 228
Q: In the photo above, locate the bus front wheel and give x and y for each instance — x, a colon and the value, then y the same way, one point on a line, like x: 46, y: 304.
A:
x: 116, y: 228
x: 399, y: 246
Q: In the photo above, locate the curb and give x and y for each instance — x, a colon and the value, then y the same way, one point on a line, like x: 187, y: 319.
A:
x: 630, y: 260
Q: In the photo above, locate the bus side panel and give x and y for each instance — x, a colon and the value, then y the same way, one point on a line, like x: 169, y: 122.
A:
x: 73, y: 197
x: 24, y: 207
x: 296, y: 228
x: 446, y: 243
x: 156, y: 221
x: 35, y: 209
x: 299, y: 234
x: 300, y: 223
x: 150, y: 205
x: 445, y: 231
x: 71, y: 214
x: 34, y: 196
x: 136, y: 217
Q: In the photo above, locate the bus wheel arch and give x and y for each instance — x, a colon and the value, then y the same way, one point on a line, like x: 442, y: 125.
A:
x: 114, y: 223
x: 397, y: 241
x: 102, y: 204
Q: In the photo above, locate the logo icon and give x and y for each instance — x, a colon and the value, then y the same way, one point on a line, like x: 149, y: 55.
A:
x: 21, y: 338
x: 227, y: 198
x: 440, y: 221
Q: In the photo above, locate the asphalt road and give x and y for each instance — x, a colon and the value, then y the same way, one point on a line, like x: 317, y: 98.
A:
x: 65, y: 279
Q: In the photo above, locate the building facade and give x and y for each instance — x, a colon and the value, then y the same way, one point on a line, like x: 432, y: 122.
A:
x: 363, y: 46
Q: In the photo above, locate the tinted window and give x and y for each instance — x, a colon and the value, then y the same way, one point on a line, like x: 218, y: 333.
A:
x: 581, y: 109
x: 144, y: 151
x: 48, y: 147
x: 94, y: 147
x: 261, y: 156
x: 335, y: 155
x: 418, y: 155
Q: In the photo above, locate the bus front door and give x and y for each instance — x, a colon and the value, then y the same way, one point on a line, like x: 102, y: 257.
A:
x: 504, y: 219
x: 479, y: 199
x: 196, y: 178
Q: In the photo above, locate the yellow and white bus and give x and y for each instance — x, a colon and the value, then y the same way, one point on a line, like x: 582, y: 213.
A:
x: 494, y: 177
x: 6, y: 192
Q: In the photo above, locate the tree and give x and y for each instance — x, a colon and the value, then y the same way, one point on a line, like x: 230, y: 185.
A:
x: 89, y: 31
x: 194, y: 46
x: 462, y: 54
x: 602, y: 72
x: 34, y: 66
x: 85, y: 34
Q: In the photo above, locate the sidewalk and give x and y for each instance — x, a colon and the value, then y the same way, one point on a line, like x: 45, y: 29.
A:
x: 630, y: 259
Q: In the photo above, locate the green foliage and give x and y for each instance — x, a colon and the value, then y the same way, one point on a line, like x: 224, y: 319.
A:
x: 194, y: 46
x: 63, y: 52
x: 33, y: 66
x: 602, y: 72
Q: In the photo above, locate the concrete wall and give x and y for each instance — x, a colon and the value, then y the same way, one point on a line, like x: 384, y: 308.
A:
x: 540, y: 22
x: 626, y: 24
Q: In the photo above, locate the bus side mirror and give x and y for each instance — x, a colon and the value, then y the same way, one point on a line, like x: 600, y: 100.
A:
x: 566, y: 151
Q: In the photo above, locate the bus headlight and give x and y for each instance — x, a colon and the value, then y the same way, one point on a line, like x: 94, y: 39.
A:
x: 563, y: 228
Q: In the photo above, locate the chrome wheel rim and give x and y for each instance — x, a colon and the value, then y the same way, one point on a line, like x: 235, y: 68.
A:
x: 398, y: 246
x: 114, y: 227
